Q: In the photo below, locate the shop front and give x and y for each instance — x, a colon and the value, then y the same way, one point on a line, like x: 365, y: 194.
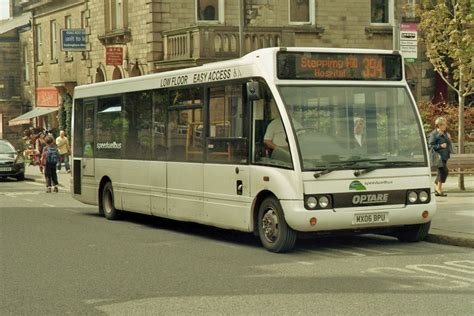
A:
x: 44, y: 115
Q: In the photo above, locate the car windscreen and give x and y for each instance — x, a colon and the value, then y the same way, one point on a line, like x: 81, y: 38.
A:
x: 6, y: 148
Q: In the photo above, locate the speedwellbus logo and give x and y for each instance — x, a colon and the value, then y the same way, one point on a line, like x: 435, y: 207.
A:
x: 361, y: 199
x: 357, y: 185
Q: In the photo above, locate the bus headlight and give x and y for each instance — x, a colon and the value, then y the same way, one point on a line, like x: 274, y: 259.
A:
x: 412, y: 196
x: 317, y: 202
x: 311, y: 202
x: 323, y: 201
x: 423, y: 196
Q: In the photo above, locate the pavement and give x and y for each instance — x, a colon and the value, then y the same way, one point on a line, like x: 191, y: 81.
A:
x: 452, y: 226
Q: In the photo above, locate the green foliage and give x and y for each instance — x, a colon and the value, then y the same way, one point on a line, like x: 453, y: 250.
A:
x: 447, y: 31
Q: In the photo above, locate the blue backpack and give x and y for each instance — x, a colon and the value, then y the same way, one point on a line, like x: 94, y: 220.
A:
x: 52, y: 155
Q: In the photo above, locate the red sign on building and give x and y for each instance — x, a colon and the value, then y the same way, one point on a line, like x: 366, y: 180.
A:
x: 113, y: 56
x: 47, y: 96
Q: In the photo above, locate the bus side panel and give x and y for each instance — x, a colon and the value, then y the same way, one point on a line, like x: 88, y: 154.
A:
x: 227, y: 201
x: 134, y: 183
x: 284, y: 184
x: 185, y: 191
x: 111, y: 168
x: 158, y: 188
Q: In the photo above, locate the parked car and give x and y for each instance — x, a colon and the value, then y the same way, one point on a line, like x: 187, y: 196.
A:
x: 12, y: 163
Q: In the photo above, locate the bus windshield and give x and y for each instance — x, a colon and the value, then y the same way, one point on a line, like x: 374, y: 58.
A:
x: 339, y: 126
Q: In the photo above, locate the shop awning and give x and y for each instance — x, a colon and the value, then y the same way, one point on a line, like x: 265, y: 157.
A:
x: 26, y: 118
x: 16, y: 22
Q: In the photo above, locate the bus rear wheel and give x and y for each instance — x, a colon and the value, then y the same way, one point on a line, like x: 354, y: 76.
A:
x: 414, y: 233
x: 274, y: 232
x: 108, y: 203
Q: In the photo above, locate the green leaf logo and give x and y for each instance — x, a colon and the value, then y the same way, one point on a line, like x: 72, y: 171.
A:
x: 356, y: 185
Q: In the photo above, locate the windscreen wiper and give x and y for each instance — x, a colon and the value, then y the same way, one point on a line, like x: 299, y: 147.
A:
x: 349, y: 164
x: 404, y: 163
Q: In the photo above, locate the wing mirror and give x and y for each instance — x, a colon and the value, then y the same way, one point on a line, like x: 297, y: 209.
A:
x: 253, y: 91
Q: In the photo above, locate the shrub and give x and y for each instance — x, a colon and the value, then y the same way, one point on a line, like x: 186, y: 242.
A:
x: 429, y: 112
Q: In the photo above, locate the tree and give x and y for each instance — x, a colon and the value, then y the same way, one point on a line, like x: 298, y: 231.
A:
x: 447, y: 30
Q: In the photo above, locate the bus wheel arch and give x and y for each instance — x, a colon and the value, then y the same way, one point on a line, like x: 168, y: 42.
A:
x: 269, y: 219
x: 107, y: 199
x: 257, y: 202
x: 414, y: 233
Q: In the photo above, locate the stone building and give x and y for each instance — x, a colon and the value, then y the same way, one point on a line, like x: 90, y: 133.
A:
x: 10, y: 77
x: 125, y: 38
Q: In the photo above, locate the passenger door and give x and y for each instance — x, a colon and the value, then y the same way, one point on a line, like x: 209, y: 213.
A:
x: 184, y: 166
x: 227, y: 199
x: 88, y: 168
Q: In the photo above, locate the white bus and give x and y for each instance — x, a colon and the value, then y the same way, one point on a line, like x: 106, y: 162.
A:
x: 278, y: 142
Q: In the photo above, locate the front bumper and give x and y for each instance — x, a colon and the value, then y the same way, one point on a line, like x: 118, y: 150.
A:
x: 298, y: 218
x: 12, y: 170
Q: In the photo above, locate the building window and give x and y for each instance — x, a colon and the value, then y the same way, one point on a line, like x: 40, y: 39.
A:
x: 115, y: 14
x: 54, y: 41
x: 381, y: 11
x: 117, y: 74
x: 99, y: 75
x: 68, y: 25
x: 301, y: 11
x: 210, y: 11
x: 38, y: 44
x: 26, y: 70
x: 118, y: 14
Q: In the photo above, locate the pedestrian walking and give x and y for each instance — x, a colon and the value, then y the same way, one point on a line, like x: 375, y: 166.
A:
x: 49, y: 160
x: 40, y: 144
x: 440, y: 142
x: 64, y: 149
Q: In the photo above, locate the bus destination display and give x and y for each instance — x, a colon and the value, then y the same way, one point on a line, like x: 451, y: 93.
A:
x: 338, y: 66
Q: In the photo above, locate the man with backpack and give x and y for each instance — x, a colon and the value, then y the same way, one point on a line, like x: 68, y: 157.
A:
x: 49, y: 160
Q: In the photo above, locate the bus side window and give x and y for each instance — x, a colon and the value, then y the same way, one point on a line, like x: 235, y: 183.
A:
x: 185, y: 125
x: 227, y: 132
x: 271, y: 141
x: 160, y: 105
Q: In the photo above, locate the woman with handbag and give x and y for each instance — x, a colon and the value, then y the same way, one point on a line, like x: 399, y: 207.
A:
x: 440, y: 143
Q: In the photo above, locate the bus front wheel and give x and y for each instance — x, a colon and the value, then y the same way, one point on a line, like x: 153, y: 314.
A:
x: 108, y: 203
x: 414, y: 233
x: 274, y: 232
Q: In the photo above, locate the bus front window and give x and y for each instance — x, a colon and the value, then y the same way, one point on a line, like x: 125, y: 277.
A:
x: 347, y: 123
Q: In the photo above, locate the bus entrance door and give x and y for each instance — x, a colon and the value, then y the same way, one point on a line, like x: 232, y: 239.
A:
x: 227, y: 195
x: 88, y: 154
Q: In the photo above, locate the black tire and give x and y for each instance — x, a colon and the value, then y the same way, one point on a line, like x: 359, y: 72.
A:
x: 274, y: 232
x: 21, y: 177
x: 414, y: 233
x: 107, y: 204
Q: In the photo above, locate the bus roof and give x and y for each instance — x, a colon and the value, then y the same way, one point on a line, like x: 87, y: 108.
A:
x: 255, y: 63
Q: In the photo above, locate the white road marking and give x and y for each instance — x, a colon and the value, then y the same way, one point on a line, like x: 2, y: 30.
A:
x: 427, y: 280
x: 467, y: 264
x: 423, y: 268
x: 15, y: 194
x: 306, y: 263
x: 377, y: 251
x: 356, y: 254
x: 465, y: 213
x: 49, y: 205
x: 28, y: 200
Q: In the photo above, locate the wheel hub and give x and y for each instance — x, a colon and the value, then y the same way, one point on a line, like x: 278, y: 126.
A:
x: 270, y: 225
